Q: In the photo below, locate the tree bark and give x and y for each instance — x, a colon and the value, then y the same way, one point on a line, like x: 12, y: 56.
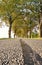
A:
x: 15, y: 33
x: 41, y: 30
x: 30, y: 33
x: 10, y: 23
x: 10, y: 30
x: 41, y: 19
x: 40, y: 25
x: 27, y: 33
x: 30, y: 27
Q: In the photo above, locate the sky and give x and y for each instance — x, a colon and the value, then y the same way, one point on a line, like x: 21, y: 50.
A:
x: 4, y: 31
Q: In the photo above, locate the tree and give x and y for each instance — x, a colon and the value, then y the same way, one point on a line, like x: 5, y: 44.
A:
x: 41, y: 18
x: 19, y: 28
x: 27, y: 10
x: 28, y: 17
x: 8, y: 12
x: 39, y: 12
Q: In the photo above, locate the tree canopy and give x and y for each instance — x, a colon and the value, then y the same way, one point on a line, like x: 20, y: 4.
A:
x: 21, y: 16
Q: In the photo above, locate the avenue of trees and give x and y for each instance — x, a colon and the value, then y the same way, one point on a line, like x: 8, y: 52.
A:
x: 22, y: 17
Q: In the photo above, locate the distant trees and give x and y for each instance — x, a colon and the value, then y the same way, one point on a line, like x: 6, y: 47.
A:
x: 39, y: 12
x: 21, y: 16
x: 28, y: 16
x: 41, y: 18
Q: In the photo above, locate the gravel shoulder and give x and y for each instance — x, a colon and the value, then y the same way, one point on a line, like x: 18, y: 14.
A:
x: 11, y: 52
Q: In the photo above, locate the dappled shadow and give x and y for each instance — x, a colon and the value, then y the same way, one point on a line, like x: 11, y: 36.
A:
x: 30, y: 56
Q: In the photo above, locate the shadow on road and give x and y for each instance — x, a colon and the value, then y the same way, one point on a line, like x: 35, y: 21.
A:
x: 30, y: 56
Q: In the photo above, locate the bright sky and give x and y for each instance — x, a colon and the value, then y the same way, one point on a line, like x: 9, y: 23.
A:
x: 4, y: 31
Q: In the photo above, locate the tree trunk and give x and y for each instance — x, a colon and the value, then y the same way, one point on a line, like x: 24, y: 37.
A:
x: 15, y: 33
x: 40, y: 25
x: 41, y: 18
x: 27, y: 33
x: 30, y: 33
x: 41, y: 30
x: 10, y: 22
x: 10, y: 30
x: 30, y: 27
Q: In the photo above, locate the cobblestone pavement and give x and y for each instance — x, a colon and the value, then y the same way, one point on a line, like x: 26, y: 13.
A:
x: 20, y: 52
x: 11, y: 52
